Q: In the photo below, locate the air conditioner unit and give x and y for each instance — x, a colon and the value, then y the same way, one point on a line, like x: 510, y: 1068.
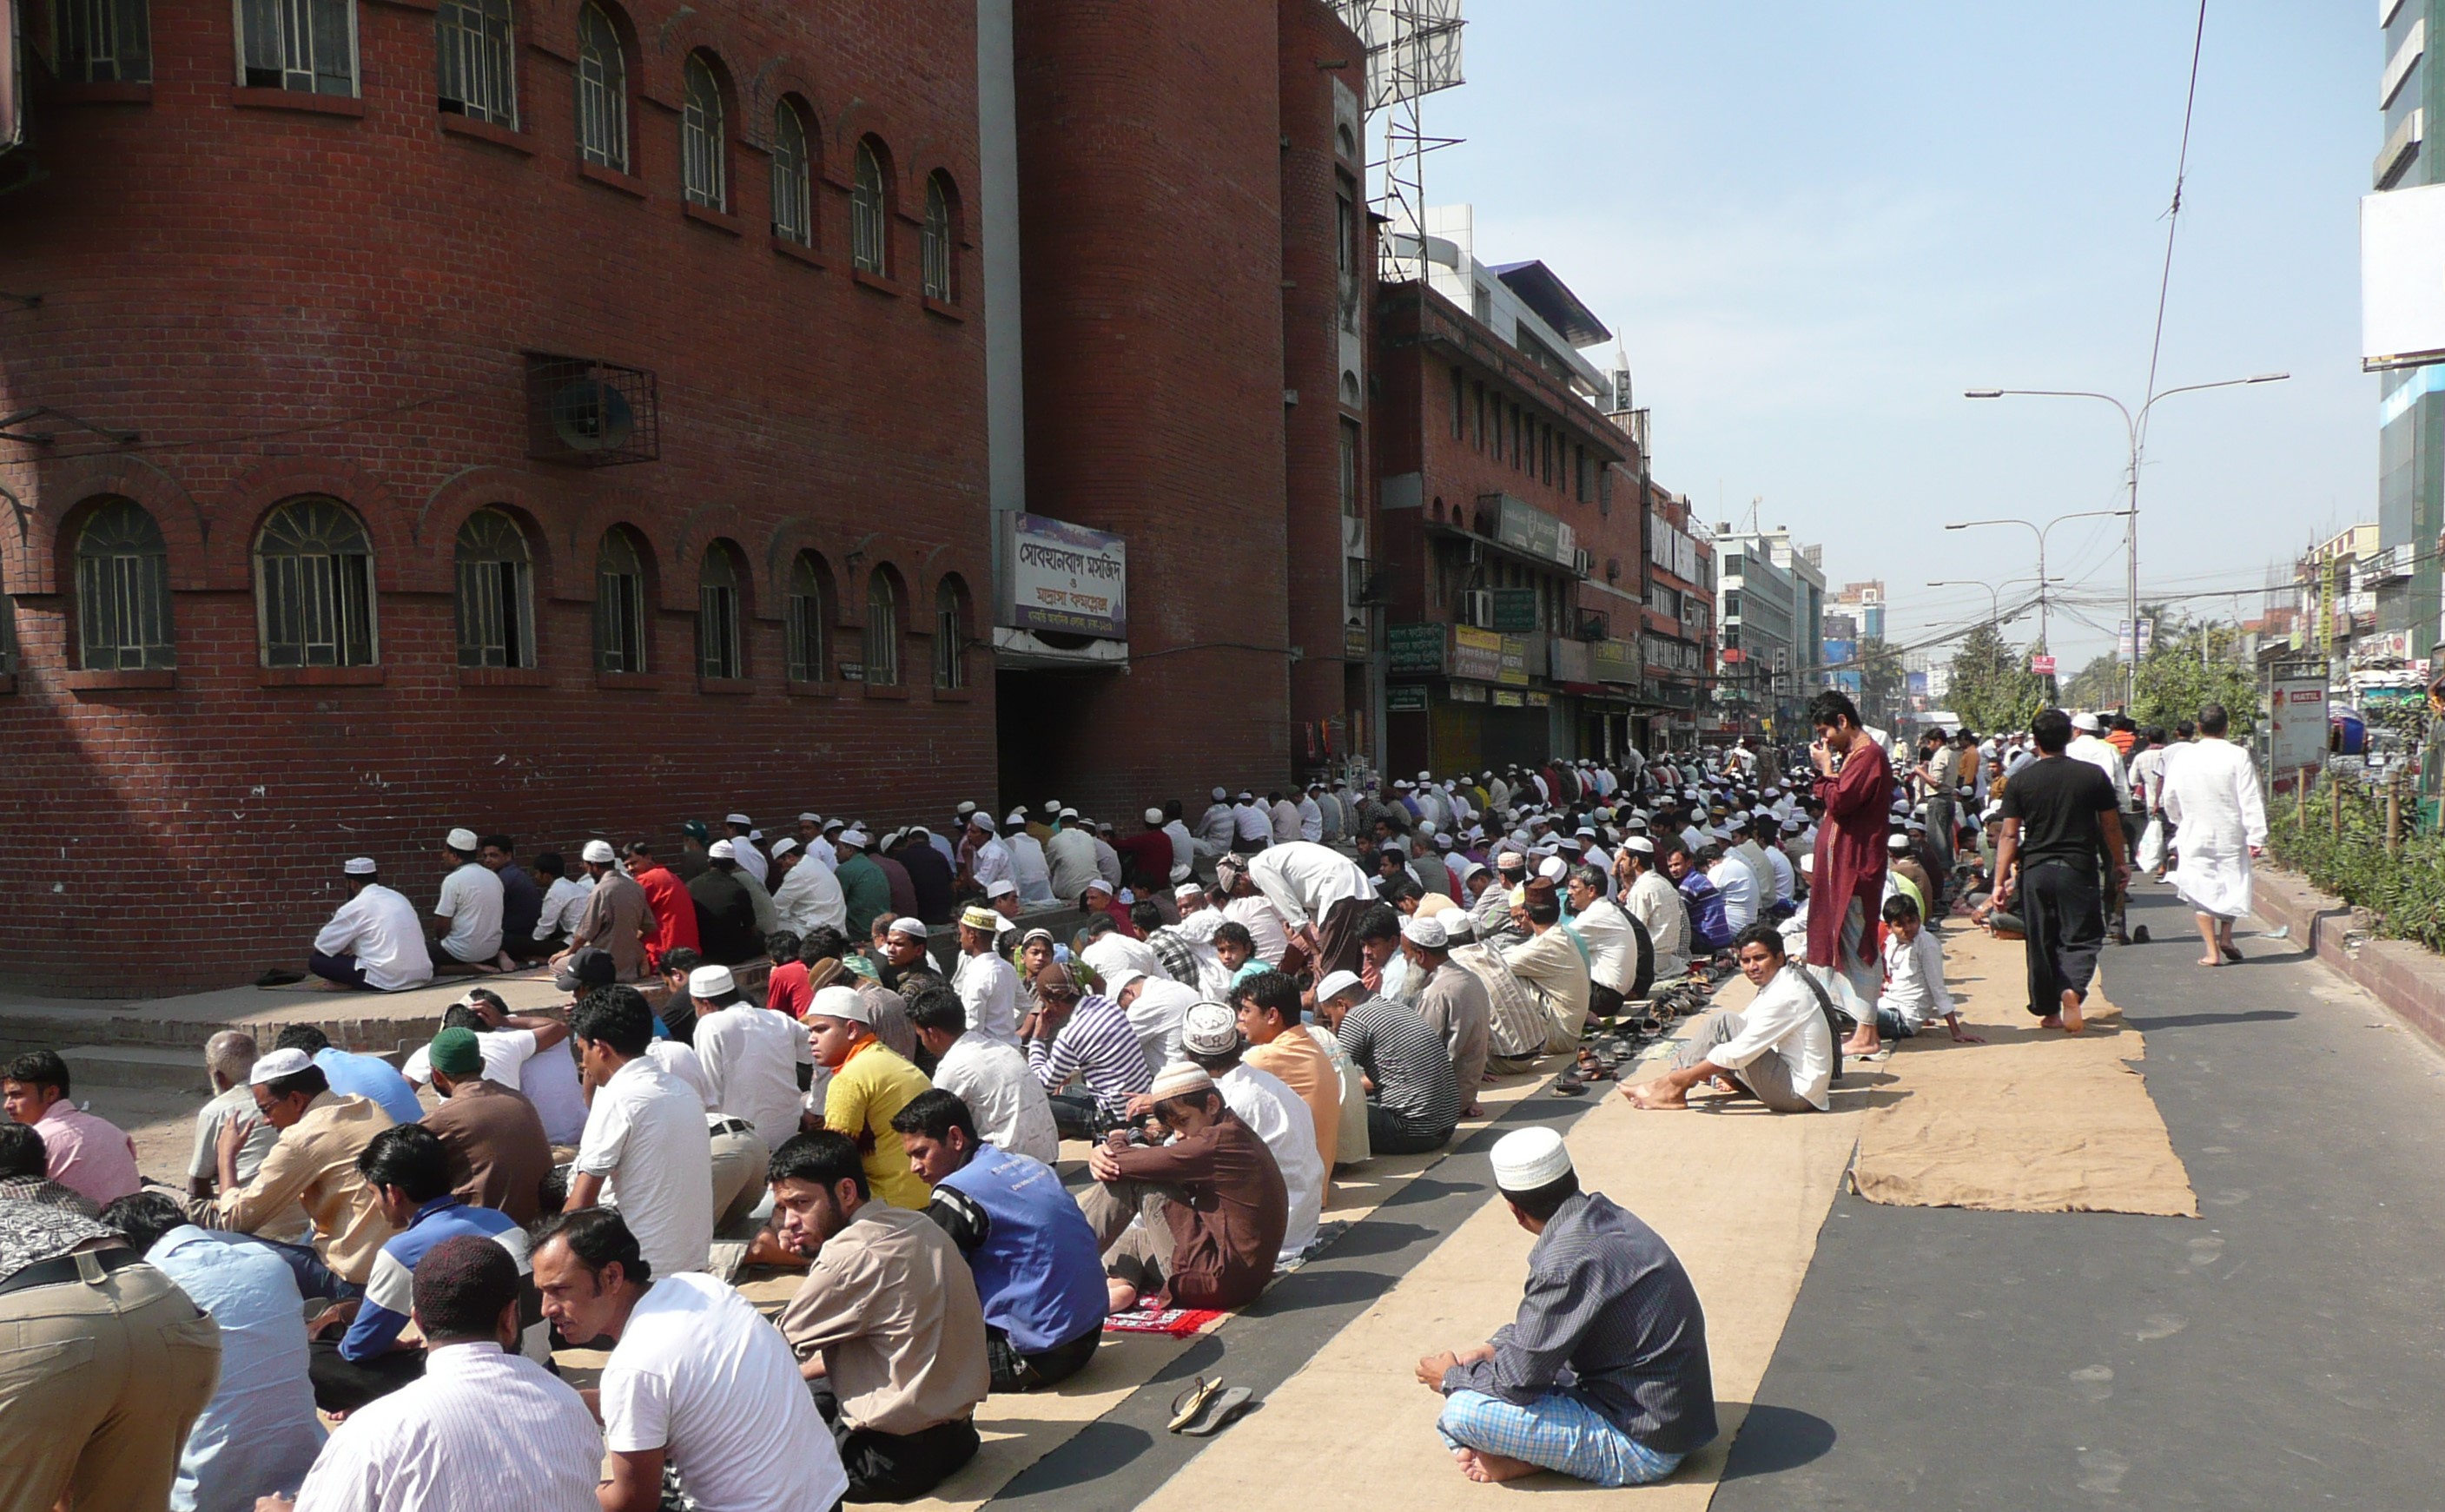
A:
x: 1582, y: 563
x: 1477, y: 609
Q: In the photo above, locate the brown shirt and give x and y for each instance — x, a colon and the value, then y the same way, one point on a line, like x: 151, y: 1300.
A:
x: 1303, y: 1067
x: 1454, y: 1004
x: 500, y: 1154
x: 313, y: 1165
x: 891, y: 1306
x: 1225, y: 1237
x: 614, y: 913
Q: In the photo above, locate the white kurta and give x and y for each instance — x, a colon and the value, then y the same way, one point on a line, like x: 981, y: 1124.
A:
x: 2212, y: 795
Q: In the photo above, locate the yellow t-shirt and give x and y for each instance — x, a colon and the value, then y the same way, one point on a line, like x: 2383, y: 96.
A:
x: 866, y: 1092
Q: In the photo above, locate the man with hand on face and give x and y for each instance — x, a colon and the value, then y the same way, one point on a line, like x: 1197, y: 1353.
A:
x: 1210, y: 1206
x: 886, y: 1325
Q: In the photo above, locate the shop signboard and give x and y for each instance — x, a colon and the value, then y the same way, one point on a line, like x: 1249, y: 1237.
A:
x: 1059, y: 577
x: 1417, y: 647
x: 1408, y: 698
x: 1613, y: 660
x: 1479, y: 654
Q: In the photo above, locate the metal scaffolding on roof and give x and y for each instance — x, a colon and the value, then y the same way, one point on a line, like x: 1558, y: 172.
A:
x: 1412, y: 51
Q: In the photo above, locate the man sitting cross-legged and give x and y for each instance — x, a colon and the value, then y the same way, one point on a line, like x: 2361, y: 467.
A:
x: 1603, y: 1375
x: 886, y: 1325
x: 1210, y: 1208
x: 1779, y: 1049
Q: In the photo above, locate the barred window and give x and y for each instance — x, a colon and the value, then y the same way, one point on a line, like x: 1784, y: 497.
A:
x: 496, y: 593
x: 882, y: 630
x: 309, y: 46
x: 937, y: 240
x: 809, y: 618
x: 869, y: 232
x: 315, y: 586
x: 702, y: 175
x: 7, y: 636
x: 472, y: 44
x: 793, y: 204
x: 122, y: 591
x: 717, y: 614
x: 104, y: 41
x: 951, y: 633
x: 602, y: 92
x: 619, y: 603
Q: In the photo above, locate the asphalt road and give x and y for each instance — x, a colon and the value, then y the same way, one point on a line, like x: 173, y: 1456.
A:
x: 2283, y: 1350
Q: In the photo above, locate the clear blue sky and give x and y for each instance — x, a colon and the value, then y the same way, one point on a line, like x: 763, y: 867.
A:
x: 1813, y: 226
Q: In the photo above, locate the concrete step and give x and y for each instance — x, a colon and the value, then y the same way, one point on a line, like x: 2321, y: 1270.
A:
x: 137, y: 1066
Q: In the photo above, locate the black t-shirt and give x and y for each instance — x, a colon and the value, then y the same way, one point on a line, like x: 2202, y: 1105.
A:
x: 2057, y: 800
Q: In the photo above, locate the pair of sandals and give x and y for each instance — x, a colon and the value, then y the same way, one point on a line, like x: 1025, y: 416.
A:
x: 1591, y: 1066
x: 1206, y: 1406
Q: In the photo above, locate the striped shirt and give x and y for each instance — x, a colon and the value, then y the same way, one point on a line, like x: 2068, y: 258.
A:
x: 1099, y: 1046
x: 1404, y: 1058
x: 436, y: 1445
x: 390, y: 1291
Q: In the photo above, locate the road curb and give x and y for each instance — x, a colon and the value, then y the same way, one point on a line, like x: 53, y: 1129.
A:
x: 2406, y: 979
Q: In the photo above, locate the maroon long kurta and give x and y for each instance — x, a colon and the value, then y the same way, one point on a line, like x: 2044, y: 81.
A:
x: 1850, y: 850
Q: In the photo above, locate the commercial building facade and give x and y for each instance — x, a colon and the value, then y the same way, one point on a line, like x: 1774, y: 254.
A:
x: 2411, y: 406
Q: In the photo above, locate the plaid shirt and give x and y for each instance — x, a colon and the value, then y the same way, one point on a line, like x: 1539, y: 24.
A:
x: 1178, y: 958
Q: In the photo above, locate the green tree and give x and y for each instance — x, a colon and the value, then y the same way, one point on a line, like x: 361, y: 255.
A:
x: 2098, y: 686
x: 1992, y: 688
x: 2175, y: 679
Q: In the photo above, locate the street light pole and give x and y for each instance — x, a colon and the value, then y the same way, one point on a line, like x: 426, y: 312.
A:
x: 2133, y: 426
x: 2040, y: 531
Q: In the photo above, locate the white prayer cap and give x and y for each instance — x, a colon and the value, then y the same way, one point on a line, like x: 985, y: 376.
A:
x: 1402, y: 784
x: 279, y: 1063
x: 912, y: 927
x: 461, y: 840
x: 1897, y: 842
x: 1154, y: 817
x: 739, y: 819
x: 1068, y: 814
x: 1335, y: 984
x: 975, y: 917
x: 1185, y: 892
x: 855, y: 838
x: 1425, y: 931
x: 1179, y: 1079
x: 967, y: 807
x: 845, y: 1003
x: 2085, y: 722
x: 1425, y: 776
x: 831, y: 824
x: 982, y: 820
x: 711, y: 982
x: 1018, y: 816
x: 1527, y: 1160
x: 364, y: 866
x: 723, y: 851
x: 1097, y: 884
x: 1443, y: 842
x: 1220, y: 795
x: 810, y: 816
x: 1118, y: 981
x: 1209, y: 1029
x: 1640, y: 845
x: 1053, y: 806
x: 783, y: 846
x: 1245, y: 797
x: 1000, y: 887
x: 1552, y: 869
x: 598, y: 851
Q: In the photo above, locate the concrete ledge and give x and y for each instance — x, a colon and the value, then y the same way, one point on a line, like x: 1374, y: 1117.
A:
x: 2405, y: 978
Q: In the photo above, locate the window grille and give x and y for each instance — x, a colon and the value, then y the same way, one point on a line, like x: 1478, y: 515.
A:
x: 472, y: 44
x: 619, y: 604
x: 314, y: 586
x: 602, y: 92
x: 309, y: 46
x: 794, y: 205
x: 702, y: 176
x: 122, y: 591
x: 496, y: 593
x: 868, y: 239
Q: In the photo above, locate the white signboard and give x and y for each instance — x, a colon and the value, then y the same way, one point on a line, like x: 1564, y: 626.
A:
x: 2402, y: 277
x: 1059, y: 577
x: 2298, y: 720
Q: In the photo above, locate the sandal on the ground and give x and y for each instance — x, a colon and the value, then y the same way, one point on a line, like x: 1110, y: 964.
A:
x: 1216, y: 1412
x: 1193, y: 1400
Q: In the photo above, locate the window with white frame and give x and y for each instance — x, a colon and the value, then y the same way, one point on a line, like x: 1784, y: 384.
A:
x: 472, y: 48
x: 950, y: 633
x: 620, y: 589
x: 315, y: 586
x: 718, y: 652
x: 793, y: 203
x: 496, y: 593
x: 868, y: 232
x: 309, y: 45
x: 104, y: 41
x: 703, y: 178
x: 602, y: 91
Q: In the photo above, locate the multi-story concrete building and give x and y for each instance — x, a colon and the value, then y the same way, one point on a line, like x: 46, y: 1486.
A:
x: 1678, y: 643
x: 2411, y: 406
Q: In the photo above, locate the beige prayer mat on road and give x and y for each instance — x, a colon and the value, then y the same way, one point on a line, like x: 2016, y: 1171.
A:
x: 1739, y: 1194
x: 2033, y: 1121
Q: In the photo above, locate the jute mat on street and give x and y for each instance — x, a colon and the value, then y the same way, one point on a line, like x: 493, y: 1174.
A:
x: 1739, y: 1194
x: 2033, y: 1121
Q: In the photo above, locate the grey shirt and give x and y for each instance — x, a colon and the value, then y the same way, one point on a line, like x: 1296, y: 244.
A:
x: 1406, y: 1060
x: 1454, y: 1004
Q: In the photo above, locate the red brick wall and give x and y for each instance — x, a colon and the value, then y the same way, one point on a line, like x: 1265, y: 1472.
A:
x: 285, y: 302
x: 1150, y: 195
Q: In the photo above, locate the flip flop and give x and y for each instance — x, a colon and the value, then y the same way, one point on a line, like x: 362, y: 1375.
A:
x: 1192, y: 1400
x: 2230, y: 953
x: 1217, y: 1412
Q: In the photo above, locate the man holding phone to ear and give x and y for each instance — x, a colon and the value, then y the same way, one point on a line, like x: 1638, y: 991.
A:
x: 1855, y: 781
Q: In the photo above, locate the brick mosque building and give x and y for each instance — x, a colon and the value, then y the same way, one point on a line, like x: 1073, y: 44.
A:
x: 568, y: 417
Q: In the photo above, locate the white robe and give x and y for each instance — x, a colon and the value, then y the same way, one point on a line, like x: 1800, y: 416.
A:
x: 2212, y: 795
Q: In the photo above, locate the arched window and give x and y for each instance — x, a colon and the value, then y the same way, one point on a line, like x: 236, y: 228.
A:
x: 810, y: 619
x: 703, y: 176
x: 619, y: 590
x: 882, y: 630
x: 122, y: 570
x: 309, y: 45
x: 315, y: 586
x: 718, y: 650
x: 951, y: 633
x: 496, y: 593
x: 936, y: 242
x: 793, y: 204
x: 602, y: 91
x: 869, y: 213
x: 104, y: 41
x: 472, y: 46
